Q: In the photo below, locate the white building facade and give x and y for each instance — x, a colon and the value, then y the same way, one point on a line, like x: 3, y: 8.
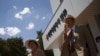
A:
x: 86, y: 12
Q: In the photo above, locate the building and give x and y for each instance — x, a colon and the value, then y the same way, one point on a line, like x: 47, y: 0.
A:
x: 86, y: 12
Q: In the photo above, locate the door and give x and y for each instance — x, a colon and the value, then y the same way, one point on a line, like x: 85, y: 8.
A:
x: 86, y: 36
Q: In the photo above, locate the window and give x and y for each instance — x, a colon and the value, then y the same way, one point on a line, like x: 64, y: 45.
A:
x: 98, y: 20
x: 63, y: 14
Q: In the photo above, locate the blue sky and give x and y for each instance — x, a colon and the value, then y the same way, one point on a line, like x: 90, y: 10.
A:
x: 24, y: 17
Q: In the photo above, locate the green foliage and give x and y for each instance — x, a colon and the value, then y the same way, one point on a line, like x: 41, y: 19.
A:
x: 12, y: 47
x: 47, y: 52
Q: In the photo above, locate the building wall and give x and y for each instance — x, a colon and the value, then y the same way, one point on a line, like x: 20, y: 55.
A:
x: 85, y: 35
x: 77, y: 5
x: 80, y: 5
x: 88, y: 16
x: 84, y: 11
x: 54, y: 5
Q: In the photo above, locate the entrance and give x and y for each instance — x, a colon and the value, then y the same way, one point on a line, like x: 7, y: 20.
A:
x: 86, y: 35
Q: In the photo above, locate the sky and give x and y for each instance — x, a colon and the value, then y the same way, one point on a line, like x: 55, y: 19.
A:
x: 23, y: 18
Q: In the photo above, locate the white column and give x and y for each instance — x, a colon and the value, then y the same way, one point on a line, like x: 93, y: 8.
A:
x: 56, y: 52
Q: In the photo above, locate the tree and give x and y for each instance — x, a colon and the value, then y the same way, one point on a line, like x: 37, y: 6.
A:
x: 12, y: 47
x: 47, y: 52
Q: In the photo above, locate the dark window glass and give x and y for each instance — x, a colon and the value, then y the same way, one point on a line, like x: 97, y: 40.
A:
x: 58, y: 21
x: 98, y: 20
x: 65, y: 12
x: 62, y: 17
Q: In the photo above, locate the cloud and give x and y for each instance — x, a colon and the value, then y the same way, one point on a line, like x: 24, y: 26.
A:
x: 30, y: 26
x: 12, y: 31
x: 25, y: 11
x: 2, y: 31
x: 20, y: 14
x: 15, y: 7
x: 43, y: 18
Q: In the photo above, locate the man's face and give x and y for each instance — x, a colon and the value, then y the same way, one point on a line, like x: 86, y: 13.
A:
x: 70, y: 22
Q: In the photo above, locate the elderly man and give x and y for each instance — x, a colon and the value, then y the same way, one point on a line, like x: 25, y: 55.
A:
x: 74, y: 43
